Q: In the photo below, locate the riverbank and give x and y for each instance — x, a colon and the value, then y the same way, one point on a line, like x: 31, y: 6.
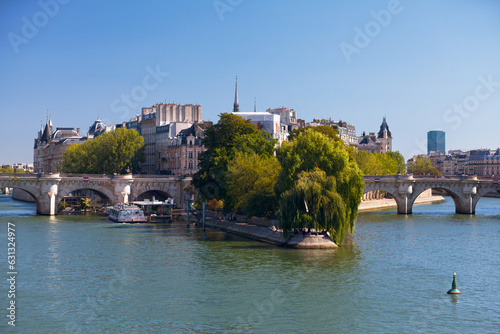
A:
x: 379, y: 204
x: 261, y: 229
x: 266, y: 234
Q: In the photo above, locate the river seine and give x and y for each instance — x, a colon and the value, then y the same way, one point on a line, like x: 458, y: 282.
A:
x: 85, y: 274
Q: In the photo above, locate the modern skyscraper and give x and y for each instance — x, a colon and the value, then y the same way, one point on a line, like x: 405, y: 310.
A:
x: 436, y: 141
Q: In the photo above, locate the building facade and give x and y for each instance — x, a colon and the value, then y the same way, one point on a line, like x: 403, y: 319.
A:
x: 170, y: 112
x: 50, y: 145
x: 287, y: 116
x: 148, y: 132
x: 179, y: 155
x: 379, y: 143
x: 436, y: 141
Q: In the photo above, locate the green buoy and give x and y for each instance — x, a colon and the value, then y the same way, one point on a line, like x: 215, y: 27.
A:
x: 454, y: 290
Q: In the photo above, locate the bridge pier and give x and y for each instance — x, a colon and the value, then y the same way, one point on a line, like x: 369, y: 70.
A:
x: 46, y: 204
x: 403, y: 198
x: 465, y: 204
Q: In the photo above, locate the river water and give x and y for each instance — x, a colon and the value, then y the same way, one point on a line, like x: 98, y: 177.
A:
x: 84, y: 274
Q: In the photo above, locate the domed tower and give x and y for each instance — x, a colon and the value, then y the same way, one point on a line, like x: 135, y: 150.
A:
x: 384, y: 136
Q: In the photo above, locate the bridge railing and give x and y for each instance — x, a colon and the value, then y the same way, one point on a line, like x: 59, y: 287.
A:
x: 382, y: 178
x: 92, y: 176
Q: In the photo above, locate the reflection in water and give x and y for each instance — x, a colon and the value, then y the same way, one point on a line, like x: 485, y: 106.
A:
x: 87, y: 274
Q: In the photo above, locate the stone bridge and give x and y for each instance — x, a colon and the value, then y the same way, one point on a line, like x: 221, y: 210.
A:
x: 49, y: 189
x: 465, y: 190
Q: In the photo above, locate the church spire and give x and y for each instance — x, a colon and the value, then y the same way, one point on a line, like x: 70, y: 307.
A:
x: 254, y: 104
x: 236, y: 106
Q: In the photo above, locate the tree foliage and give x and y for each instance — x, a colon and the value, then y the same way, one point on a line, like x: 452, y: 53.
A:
x: 423, y: 166
x: 117, y: 151
x: 326, y: 130
x: 5, y: 169
x: 315, y: 202
x: 251, y: 180
x: 231, y: 134
x: 376, y: 163
x: 309, y: 151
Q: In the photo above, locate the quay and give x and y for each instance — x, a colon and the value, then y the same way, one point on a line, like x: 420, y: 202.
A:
x: 261, y: 230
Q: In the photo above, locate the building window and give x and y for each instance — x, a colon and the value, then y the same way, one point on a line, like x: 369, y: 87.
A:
x: 190, y: 154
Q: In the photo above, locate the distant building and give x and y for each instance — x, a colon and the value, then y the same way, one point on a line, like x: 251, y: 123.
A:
x: 485, y: 163
x: 179, y: 155
x: 369, y: 143
x: 379, y: 143
x: 167, y: 113
x: 268, y: 122
x: 50, y: 145
x: 23, y: 166
x: 346, y: 131
x: 385, y: 137
x: 436, y: 141
x: 288, y: 117
x: 148, y: 132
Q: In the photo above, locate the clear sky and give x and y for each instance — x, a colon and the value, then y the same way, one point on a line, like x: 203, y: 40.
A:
x: 425, y: 65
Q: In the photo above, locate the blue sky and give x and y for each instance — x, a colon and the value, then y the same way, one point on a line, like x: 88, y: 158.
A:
x: 425, y: 65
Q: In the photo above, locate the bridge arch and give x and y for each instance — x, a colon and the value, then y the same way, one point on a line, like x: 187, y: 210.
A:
x: 390, y: 189
x: 481, y: 192
x: 452, y: 191
x: 161, y: 191
x: 103, y: 192
x: 33, y: 191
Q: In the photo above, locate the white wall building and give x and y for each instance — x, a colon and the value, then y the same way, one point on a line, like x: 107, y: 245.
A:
x: 269, y: 122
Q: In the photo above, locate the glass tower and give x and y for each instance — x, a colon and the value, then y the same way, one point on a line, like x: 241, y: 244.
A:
x: 436, y: 141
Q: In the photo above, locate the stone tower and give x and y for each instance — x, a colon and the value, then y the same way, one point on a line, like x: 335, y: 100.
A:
x: 384, y: 136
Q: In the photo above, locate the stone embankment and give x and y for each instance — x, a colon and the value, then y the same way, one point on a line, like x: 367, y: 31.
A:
x: 241, y: 226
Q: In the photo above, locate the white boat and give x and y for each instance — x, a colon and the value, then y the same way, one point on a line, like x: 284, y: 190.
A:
x: 125, y: 213
x: 156, y: 210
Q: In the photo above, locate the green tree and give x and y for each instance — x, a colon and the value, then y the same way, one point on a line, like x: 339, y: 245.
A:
x: 260, y: 143
x: 423, y: 166
x: 326, y: 130
x: 118, y: 151
x: 315, y: 202
x: 309, y: 151
x: 375, y: 163
x: 221, y: 141
x: 251, y: 179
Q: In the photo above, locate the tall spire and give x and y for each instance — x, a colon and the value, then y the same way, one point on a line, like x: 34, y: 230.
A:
x: 236, y: 106
x: 254, y: 104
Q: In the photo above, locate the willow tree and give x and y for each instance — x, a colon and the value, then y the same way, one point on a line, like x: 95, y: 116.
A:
x: 336, y: 209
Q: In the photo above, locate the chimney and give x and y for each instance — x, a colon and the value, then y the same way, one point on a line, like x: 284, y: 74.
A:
x: 78, y: 131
